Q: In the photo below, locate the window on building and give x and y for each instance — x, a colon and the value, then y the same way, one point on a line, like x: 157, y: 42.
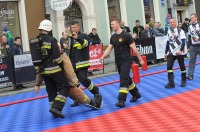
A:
x: 72, y: 14
x: 114, y: 9
x: 9, y: 17
x: 149, y: 10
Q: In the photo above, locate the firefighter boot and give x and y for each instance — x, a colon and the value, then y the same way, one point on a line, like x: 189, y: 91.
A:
x: 97, y: 102
x: 120, y: 104
x: 183, y: 82
x: 53, y: 115
x: 122, y: 100
x: 94, y: 90
x: 134, y: 92
x: 56, y: 113
x: 57, y: 106
x: 170, y: 84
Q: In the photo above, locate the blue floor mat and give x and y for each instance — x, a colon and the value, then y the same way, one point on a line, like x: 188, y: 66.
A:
x: 33, y: 116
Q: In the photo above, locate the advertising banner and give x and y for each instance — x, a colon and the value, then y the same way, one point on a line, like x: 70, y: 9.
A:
x: 95, y: 51
x: 24, y: 69
x: 160, y: 46
x: 146, y: 47
x: 6, y: 72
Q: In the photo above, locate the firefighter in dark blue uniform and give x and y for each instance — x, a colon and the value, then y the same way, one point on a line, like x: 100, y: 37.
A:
x: 51, y: 68
x: 122, y: 42
x: 79, y: 56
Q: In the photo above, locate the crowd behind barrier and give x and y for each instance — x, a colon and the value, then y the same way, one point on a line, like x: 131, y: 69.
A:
x: 19, y: 69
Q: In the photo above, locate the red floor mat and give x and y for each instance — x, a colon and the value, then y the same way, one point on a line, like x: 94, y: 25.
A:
x: 180, y: 112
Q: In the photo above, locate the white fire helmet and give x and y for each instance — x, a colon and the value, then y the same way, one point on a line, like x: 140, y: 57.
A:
x: 45, y: 25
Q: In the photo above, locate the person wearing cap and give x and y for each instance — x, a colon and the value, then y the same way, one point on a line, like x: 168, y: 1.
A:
x: 8, y: 35
x: 167, y: 19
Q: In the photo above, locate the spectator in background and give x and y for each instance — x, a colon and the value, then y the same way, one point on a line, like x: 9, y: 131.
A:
x: 138, y: 29
x: 146, y: 33
x: 167, y: 19
x: 16, y: 49
x: 167, y: 27
x: 94, y: 37
x: 8, y: 35
x: 4, y: 47
x: 125, y: 28
x: 180, y: 25
x: 151, y: 23
x: 63, y: 43
x: 161, y: 29
x: 185, y: 25
x: 134, y: 36
x: 156, y: 30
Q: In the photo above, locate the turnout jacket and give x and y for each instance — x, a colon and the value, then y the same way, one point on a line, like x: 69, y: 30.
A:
x: 51, y: 57
x: 79, y: 51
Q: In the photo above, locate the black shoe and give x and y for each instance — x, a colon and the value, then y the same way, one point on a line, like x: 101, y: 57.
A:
x: 97, y: 101
x: 135, y: 98
x: 170, y: 85
x: 75, y: 103
x: 56, y: 113
x: 183, y: 84
x: 120, y: 104
x: 55, y: 116
x: 189, y: 77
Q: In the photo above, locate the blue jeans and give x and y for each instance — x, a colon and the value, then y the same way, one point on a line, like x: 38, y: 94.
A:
x: 10, y: 42
x: 193, y: 55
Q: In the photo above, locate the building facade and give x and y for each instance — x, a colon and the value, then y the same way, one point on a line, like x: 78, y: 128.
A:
x: 97, y: 14
x: 22, y: 17
x: 12, y: 17
x: 90, y: 13
x: 181, y: 9
x: 197, y: 4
